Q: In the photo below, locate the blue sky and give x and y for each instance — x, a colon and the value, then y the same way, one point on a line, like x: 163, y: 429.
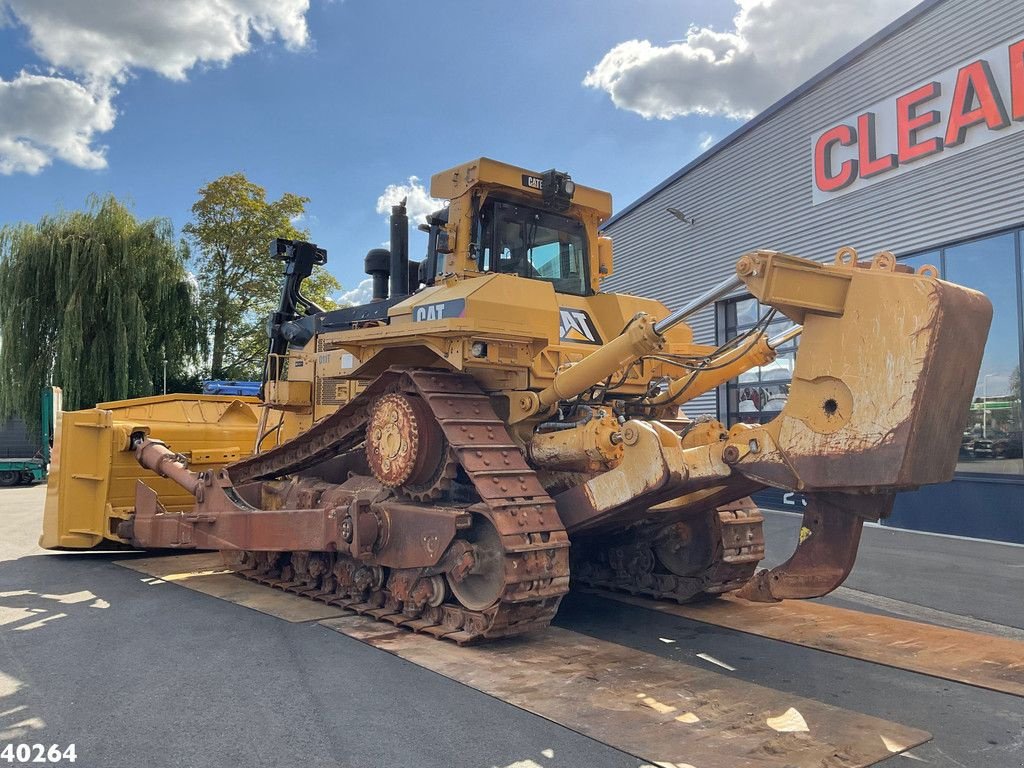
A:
x: 341, y: 99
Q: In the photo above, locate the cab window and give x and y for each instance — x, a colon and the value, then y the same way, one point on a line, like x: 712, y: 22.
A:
x: 517, y: 239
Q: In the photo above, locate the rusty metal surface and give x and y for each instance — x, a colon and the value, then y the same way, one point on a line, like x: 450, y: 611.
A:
x: 342, y: 430
x: 825, y: 554
x: 333, y: 542
x: 664, y: 712
x: 871, y: 368
x: 533, y: 541
x: 977, y: 659
x: 705, y: 554
x: 403, y: 441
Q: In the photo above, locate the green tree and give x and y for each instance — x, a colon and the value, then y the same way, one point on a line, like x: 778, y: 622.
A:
x: 1015, y: 399
x: 93, y: 301
x: 232, y: 226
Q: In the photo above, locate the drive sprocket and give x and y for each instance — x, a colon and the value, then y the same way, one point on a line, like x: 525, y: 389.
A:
x: 406, y: 449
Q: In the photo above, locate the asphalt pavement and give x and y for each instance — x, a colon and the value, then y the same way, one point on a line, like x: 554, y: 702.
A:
x: 151, y: 674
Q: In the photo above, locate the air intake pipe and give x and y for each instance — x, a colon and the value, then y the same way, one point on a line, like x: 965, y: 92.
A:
x: 399, y: 250
x: 377, y: 265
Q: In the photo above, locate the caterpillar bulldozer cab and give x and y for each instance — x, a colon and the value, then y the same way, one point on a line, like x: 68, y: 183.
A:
x: 446, y: 456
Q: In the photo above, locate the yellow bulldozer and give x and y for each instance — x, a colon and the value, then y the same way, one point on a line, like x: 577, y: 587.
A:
x: 428, y: 458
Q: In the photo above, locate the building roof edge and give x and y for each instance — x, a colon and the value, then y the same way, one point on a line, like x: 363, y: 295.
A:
x: 881, y: 35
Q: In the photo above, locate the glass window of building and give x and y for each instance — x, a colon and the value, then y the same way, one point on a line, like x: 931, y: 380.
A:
x: 930, y: 258
x: 758, y: 395
x: 992, y: 440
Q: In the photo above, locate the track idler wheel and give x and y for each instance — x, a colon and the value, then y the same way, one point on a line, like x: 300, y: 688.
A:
x: 687, y: 549
x: 406, y: 449
x: 480, y: 585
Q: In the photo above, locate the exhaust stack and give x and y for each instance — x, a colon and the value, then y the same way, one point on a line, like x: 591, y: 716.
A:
x: 399, y: 250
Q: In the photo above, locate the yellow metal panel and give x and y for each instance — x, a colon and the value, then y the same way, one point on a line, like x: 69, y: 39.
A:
x: 76, y: 489
x: 458, y: 180
x: 290, y: 394
x: 93, y: 472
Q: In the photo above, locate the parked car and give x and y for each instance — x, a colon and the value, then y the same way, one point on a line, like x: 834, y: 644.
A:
x: 1009, y: 447
x: 983, y: 448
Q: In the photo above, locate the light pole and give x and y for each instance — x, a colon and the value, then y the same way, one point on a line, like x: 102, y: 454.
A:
x: 165, y: 380
x: 984, y: 404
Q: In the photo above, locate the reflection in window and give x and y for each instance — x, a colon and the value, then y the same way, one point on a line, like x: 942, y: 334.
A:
x: 746, y: 312
x: 757, y: 395
x: 932, y: 258
x: 992, y: 428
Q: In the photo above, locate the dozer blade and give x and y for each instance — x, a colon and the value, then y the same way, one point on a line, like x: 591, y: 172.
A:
x: 884, y: 374
x: 93, y: 474
x: 885, y: 371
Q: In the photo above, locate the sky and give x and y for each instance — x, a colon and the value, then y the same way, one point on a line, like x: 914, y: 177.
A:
x: 355, y: 104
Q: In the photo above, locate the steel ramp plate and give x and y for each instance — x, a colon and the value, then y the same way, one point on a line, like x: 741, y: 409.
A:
x: 207, y: 573
x: 973, y: 658
x: 663, y: 712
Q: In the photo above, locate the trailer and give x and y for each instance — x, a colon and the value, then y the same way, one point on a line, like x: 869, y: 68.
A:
x: 28, y: 471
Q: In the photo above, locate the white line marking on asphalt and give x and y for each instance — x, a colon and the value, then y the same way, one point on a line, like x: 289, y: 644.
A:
x: 713, y: 660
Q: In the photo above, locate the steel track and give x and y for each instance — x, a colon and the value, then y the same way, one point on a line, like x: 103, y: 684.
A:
x: 534, y: 542
x: 736, y: 551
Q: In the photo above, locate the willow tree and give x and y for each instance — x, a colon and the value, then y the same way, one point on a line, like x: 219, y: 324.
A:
x: 239, y: 284
x: 93, y: 301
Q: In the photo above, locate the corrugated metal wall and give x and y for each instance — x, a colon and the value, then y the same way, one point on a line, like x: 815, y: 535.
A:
x: 756, y: 192
x: 15, y: 442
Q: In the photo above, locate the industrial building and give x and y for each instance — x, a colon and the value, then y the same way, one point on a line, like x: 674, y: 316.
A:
x: 911, y: 143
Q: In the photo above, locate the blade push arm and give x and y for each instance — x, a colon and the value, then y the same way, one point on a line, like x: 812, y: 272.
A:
x: 643, y: 336
x: 720, y: 368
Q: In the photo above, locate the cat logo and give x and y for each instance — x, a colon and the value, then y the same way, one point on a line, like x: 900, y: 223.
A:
x: 577, y: 326
x: 533, y: 182
x: 441, y: 310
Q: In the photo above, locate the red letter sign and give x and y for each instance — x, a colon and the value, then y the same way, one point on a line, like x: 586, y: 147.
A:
x: 1017, y: 79
x: 974, y: 82
x: 908, y: 123
x: 869, y: 164
x: 845, y: 136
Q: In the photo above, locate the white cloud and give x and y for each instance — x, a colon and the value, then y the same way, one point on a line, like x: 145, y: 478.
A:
x: 107, y: 39
x: 361, y: 294
x: 419, y: 203
x: 707, y: 140
x: 774, y: 46
x: 95, y: 46
x: 43, y: 117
